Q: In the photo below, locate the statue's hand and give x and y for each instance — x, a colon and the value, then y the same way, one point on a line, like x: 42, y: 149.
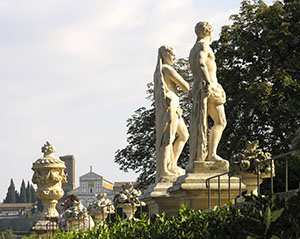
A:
x: 207, y: 88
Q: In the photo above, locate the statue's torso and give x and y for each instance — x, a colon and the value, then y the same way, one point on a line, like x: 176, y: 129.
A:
x: 210, y: 63
x: 171, y: 90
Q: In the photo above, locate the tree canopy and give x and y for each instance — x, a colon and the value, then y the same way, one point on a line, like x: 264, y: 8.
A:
x: 11, y: 193
x: 258, y: 58
x: 26, y: 195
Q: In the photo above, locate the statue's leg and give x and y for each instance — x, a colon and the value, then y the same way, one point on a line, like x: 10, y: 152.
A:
x: 165, y: 167
x: 217, y: 113
x: 173, y: 128
x: 183, y: 136
x: 167, y: 144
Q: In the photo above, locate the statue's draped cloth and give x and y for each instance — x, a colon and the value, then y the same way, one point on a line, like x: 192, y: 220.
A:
x: 166, y: 105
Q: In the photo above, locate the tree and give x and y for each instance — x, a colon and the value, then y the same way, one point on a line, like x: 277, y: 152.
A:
x: 258, y: 59
x: 11, y: 193
x: 139, y: 154
x: 22, y: 197
x: 28, y: 193
x: 32, y: 192
x: 8, y: 234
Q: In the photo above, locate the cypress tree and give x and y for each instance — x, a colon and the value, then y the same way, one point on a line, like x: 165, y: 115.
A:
x: 17, y: 196
x: 23, y: 198
x: 11, y: 193
x: 28, y: 193
x: 32, y: 192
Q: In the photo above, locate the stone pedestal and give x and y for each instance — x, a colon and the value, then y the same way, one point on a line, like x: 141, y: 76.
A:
x: 129, y: 210
x: 48, y: 175
x: 191, y: 188
x: 158, y: 199
x: 45, y: 228
x: 250, y: 181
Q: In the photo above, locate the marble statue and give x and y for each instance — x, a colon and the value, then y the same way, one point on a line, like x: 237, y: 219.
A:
x: 208, y: 99
x: 168, y: 114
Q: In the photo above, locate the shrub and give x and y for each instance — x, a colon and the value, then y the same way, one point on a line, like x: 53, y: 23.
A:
x: 257, y: 217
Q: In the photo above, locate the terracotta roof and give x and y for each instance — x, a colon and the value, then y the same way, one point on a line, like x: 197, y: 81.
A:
x: 119, y: 184
x: 15, y: 205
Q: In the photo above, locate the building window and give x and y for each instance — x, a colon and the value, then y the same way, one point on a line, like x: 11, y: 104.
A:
x: 91, y: 184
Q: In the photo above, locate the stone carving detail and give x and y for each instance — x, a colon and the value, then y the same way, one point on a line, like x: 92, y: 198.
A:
x: 168, y: 114
x: 245, y: 166
x: 208, y: 99
x: 127, y: 195
x: 101, y: 207
x: 49, y: 176
x: 128, y: 200
x: 249, y: 158
x: 76, y: 212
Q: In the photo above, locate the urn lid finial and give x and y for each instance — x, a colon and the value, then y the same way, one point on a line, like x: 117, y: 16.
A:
x: 48, y: 148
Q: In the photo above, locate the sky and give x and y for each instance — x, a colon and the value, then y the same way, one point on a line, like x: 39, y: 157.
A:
x: 73, y: 71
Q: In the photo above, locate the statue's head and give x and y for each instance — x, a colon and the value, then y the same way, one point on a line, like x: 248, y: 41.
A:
x: 167, y: 54
x: 203, y: 29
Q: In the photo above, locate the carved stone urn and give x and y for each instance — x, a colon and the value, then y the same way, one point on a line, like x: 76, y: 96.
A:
x: 250, y: 162
x: 49, y: 175
x: 101, y: 208
x: 128, y: 200
x: 129, y: 209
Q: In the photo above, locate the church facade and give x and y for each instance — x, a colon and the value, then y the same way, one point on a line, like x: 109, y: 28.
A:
x: 90, y: 185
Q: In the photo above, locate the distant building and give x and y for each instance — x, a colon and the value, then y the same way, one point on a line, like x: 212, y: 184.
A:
x: 69, y: 185
x: 15, y: 210
x: 91, y: 184
x: 70, y: 172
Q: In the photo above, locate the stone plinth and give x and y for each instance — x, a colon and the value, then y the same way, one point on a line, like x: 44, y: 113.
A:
x: 191, y: 188
x: 45, y: 228
x: 48, y: 175
x: 158, y: 199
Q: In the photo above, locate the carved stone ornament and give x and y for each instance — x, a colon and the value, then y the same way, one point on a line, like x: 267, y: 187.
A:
x: 246, y: 164
x: 101, y: 207
x: 249, y: 158
x: 49, y: 175
x: 76, y: 212
x: 128, y: 200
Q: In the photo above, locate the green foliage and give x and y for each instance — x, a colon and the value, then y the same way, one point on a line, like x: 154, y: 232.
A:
x: 258, y: 61
x: 28, y: 192
x: 11, y: 193
x: 140, y: 150
x: 139, y: 154
x: 8, y: 234
x: 27, y: 195
x: 258, y: 217
x: 22, y: 196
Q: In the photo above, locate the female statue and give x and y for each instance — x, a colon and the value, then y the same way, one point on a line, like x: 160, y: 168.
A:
x: 169, y: 121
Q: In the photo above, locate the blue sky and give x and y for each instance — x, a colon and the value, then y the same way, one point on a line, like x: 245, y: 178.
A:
x: 73, y: 71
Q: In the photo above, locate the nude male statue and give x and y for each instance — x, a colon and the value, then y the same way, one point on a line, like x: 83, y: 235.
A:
x: 168, y: 114
x: 208, y: 98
